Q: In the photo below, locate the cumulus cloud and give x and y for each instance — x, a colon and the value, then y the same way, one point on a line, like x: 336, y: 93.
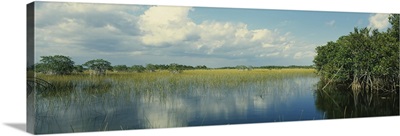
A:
x: 79, y: 29
x: 379, y: 21
x: 300, y: 55
x: 129, y: 34
x: 173, y: 28
x: 161, y: 25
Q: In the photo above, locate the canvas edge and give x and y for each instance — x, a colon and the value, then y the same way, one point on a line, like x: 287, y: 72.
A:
x: 30, y: 54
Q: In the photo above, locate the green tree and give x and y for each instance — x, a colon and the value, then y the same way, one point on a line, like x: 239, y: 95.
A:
x: 55, y: 65
x: 250, y: 68
x: 394, y: 19
x: 78, y: 69
x: 201, y: 67
x: 243, y: 67
x: 98, y: 66
x: 175, y: 68
x: 365, y: 59
x: 150, y: 67
x: 161, y: 66
x: 138, y: 68
x: 120, y: 68
x: 39, y: 68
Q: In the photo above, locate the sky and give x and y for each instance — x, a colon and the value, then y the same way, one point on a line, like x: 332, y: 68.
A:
x: 215, y: 37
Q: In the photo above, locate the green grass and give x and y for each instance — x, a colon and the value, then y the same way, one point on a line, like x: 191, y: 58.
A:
x: 164, y: 81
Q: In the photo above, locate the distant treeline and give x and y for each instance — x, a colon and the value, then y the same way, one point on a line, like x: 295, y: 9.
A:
x: 267, y: 67
x: 63, y: 65
x: 173, y: 68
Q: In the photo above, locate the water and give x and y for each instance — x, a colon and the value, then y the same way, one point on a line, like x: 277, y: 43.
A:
x: 289, y: 99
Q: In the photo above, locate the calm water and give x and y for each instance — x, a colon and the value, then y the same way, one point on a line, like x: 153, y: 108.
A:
x: 291, y: 99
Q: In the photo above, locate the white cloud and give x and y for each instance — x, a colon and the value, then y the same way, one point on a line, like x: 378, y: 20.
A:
x: 269, y: 54
x: 379, y: 21
x: 176, y: 30
x: 85, y: 31
x: 161, y: 24
x: 81, y: 29
x: 261, y: 34
x: 305, y: 54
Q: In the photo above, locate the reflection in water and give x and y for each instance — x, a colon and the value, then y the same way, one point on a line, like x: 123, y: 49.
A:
x: 288, y: 99
x: 341, y: 102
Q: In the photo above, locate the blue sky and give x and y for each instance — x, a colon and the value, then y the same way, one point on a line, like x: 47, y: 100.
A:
x: 215, y: 37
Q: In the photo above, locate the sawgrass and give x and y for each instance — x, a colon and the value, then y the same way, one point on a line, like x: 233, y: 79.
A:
x: 167, y: 82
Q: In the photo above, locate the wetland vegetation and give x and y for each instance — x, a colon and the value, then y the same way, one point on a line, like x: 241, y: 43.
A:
x: 138, y: 100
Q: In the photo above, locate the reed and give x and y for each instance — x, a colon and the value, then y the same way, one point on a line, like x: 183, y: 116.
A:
x: 164, y: 81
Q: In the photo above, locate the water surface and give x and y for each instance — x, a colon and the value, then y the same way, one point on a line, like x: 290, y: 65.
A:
x: 290, y: 99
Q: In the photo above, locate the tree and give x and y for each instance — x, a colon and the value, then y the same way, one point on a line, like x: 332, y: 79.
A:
x: 138, y: 68
x: 201, y: 67
x: 150, y: 67
x: 394, y: 19
x: 175, y: 68
x: 98, y: 66
x: 78, y: 69
x: 160, y: 66
x: 365, y: 59
x: 243, y: 68
x: 39, y: 68
x: 120, y: 68
x: 250, y: 68
x: 55, y: 65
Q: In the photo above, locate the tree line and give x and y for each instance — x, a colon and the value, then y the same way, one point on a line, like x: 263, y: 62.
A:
x: 244, y: 67
x: 63, y: 65
x: 365, y: 59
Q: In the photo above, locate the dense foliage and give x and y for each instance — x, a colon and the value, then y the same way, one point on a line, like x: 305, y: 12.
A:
x: 78, y: 69
x: 55, y: 65
x: 365, y: 59
x: 243, y: 67
x: 175, y: 68
x: 137, y: 68
x: 98, y: 66
x: 120, y: 68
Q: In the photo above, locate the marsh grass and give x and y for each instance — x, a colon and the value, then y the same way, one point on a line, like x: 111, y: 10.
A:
x: 89, y: 100
x: 84, y: 88
x: 164, y: 81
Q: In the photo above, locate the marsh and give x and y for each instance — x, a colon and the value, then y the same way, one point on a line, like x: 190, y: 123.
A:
x: 121, y: 101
